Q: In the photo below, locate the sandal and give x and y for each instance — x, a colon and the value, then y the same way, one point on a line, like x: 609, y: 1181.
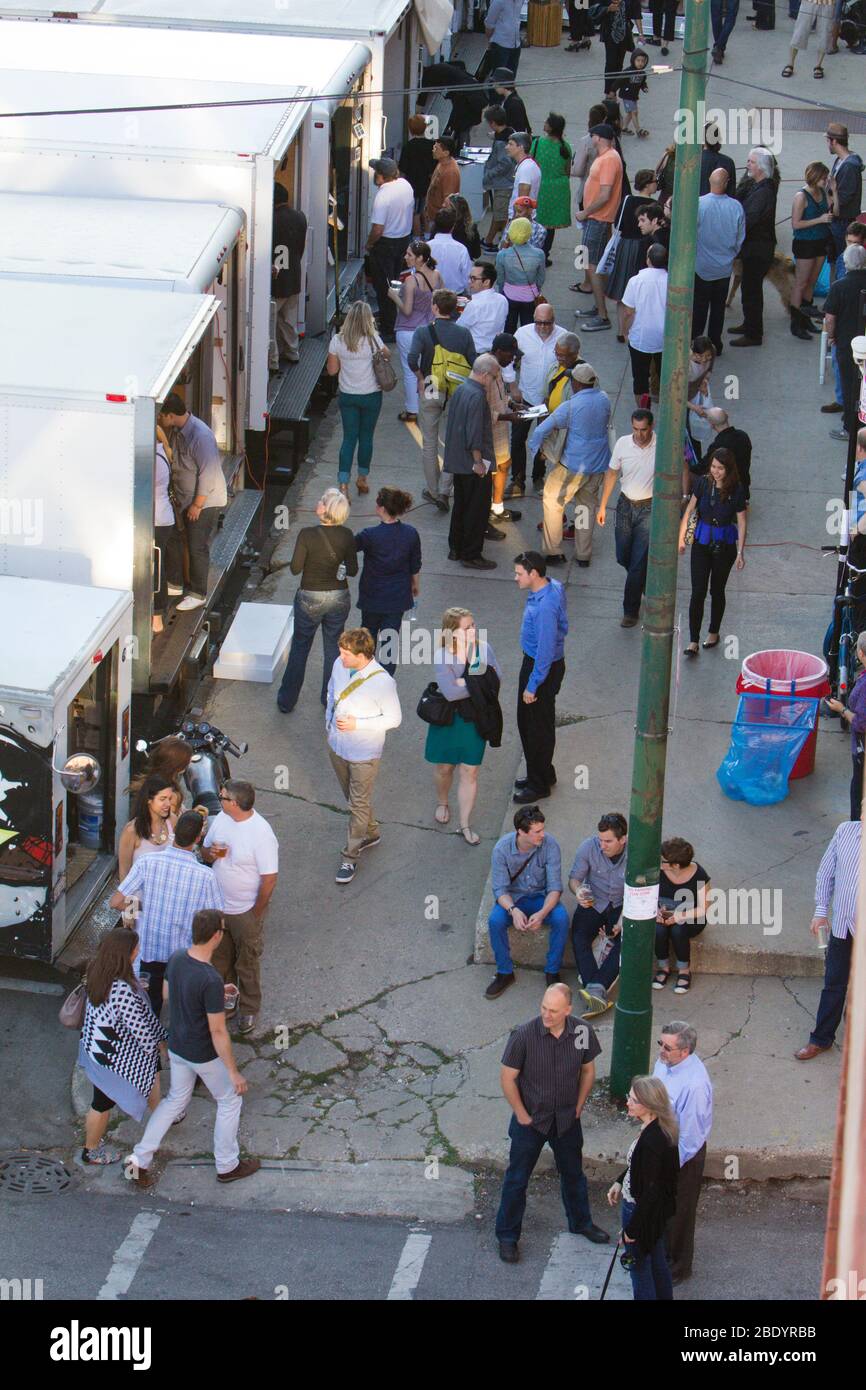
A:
x: 580, y: 288
x: 787, y: 71
x: 818, y: 71
x: 440, y: 819
x: 660, y: 979
x: 682, y: 984
x: 469, y: 835
x: 642, y: 134
x: 407, y: 417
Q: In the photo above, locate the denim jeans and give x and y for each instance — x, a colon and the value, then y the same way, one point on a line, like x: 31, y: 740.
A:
x: 504, y: 57
x: 723, y: 27
x: 499, y: 922
x: 526, y: 1145
x: 585, y: 927
x: 380, y: 623
x: 328, y: 608
x: 837, y: 379
x: 359, y: 415
x: 837, y: 967
x: 632, y: 546
x: 651, y: 1276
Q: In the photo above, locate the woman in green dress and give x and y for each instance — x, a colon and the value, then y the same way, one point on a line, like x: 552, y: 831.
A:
x: 458, y: 744
x: 553, y: 155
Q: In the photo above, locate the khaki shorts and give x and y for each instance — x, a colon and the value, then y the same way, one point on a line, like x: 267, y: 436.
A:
x: 499, y: 200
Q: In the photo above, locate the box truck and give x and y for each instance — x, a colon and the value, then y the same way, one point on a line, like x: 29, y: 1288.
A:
x: 257, y: 108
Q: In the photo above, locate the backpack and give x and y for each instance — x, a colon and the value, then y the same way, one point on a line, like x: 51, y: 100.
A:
x: 448, y: 370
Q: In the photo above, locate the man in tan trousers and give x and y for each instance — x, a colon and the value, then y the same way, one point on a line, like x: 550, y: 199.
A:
x: 578, y: 431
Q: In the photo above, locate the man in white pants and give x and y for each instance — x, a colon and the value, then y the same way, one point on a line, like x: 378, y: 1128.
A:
x: 198, y: 1045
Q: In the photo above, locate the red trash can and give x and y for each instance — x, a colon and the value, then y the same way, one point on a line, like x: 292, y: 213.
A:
x: 780, y: 672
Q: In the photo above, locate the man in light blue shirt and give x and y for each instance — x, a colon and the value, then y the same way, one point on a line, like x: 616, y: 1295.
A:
x: 583, y: 461
x: 502, y: 27
x: 527, y: 886
x: 720, y: 234
x: 687, y: 1082
x: 542, y: 638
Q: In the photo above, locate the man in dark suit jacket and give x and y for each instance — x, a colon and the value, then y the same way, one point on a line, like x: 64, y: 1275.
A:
x: 289, y: 241
x: 469, y: 456
x: 727, y: 437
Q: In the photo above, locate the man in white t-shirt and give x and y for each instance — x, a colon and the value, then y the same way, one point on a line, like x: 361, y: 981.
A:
x: 643, y: 320
x: 390, y: 232
x: 527, y: 175
x: 244, y: 853
x: 487, y: 310
x: 633, y: 464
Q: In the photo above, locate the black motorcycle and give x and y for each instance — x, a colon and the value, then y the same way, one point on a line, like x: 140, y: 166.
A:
x: 209, y: 765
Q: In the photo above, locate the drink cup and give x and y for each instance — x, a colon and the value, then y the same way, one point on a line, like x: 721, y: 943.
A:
x: 823, y: 936
x: 231, y: 994
x: 219, y: 850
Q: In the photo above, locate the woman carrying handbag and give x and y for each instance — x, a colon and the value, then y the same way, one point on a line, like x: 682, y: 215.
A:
x: 361, y: 362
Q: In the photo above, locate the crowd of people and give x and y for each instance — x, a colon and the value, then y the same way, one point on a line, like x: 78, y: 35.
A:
x: 495, y: 383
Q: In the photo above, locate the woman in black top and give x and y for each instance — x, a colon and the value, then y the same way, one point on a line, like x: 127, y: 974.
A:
x: 390, y: 580
x: 681, y: 914
x: 614, y: 30
x: 648, y: 1189
x: 324, y: 556
x: 719, y: 543
x: 626, y: 260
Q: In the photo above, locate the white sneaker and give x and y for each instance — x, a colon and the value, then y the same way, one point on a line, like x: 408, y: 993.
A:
x: 173, y: 589
x: 187, y: 604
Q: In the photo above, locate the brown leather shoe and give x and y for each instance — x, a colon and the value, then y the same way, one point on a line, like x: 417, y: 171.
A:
x: 805, y: 1054
x: 142, y: 1178
x: 244, y: 1169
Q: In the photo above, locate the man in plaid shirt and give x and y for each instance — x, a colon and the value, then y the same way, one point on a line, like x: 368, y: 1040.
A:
x: 168, y: 888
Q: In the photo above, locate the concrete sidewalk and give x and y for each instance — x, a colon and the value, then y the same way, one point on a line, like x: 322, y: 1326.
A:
x: 393, y: 1053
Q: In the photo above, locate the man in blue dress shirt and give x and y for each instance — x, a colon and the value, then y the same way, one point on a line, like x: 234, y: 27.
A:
x: 542, y: 638
x: 687, y: 1082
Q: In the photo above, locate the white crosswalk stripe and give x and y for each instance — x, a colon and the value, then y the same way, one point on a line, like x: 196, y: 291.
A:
x: 129, y: 1255
x: 409, y: 1266
x: 576, y: 1270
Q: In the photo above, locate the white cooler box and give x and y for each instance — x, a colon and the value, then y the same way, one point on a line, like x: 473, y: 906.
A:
x: 255, y: 643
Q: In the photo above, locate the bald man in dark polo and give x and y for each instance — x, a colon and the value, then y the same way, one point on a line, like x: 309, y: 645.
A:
x: 548, y: 1068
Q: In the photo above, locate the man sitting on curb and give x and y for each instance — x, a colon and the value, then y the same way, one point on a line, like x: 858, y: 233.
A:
x: 527, y: 886
x: 597, y: 880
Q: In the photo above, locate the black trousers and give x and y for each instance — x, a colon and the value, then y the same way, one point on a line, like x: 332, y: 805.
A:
x: 579, y: 22
x: 752, y: 292
x: 614, y: 62
x: 850, y: 376
x: 156, y: 970
x: 680, y: 1232
x: 520, y: 432
x: 710, y: 569
x: 536, y: 724
x: 469, y: 514
x: 199, y: 536
x: 168, y: 567
x: 710, y: 297
x: 385, y: 261
x: 664, y: 13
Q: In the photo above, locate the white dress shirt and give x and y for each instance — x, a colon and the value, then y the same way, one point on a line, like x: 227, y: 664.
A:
x: 691, y: 1093
x: 538, y: 357
x: 453, y: 261
x: 393, y: 208
x: 647, y: 294
x: 485, y: 316
x: 636, y: 466
x: 374, y: 704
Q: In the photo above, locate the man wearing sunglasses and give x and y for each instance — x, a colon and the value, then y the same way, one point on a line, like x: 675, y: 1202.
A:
x: 687, y: 1082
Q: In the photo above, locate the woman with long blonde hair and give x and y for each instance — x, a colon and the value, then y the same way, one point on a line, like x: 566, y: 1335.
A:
x: 458, y: 745
x: 647, y: 1189
x: 350, y: 358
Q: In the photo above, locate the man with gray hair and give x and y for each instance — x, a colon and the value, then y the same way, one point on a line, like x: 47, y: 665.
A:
x: 842, y: 323
x: 757, y: 193
x: 245, y: 854
x: 469, y: 455
x: 687, y: 1082
x: 547, y: 1073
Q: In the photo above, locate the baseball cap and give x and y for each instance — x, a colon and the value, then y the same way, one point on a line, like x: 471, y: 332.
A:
x: 525, y: 202
x: 605, y: 131
x: 386, y: 167
x: 584, y: 373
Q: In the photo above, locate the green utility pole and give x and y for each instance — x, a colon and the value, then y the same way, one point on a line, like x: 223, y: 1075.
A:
x: 633, y: 1016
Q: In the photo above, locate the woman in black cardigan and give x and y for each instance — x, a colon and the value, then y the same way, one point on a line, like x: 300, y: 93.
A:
x: 648, y: 1189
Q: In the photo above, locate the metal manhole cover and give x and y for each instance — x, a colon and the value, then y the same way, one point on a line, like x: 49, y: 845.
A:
x: 33, y: 1175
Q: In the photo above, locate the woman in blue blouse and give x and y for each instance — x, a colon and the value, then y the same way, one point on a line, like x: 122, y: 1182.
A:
x: 719, y: 543
x: 390, y: 580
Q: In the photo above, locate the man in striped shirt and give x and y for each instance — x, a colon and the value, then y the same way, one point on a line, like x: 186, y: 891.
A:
x: 838, y: 880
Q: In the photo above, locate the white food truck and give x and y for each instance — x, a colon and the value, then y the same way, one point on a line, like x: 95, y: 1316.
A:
x: 261, y: 108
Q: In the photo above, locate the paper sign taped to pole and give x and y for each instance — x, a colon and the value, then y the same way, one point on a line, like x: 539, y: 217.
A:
x: 640, y: 904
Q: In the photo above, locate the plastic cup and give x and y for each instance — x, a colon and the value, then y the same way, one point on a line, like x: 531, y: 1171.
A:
x: 231, y: 994
x: 219, y: 850
x: 823, y: 936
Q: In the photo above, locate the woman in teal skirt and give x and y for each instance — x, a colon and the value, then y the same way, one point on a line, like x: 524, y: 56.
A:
x: 458, y: 744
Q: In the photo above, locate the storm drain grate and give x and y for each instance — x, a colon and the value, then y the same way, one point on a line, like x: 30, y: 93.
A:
x: 33, y: 1175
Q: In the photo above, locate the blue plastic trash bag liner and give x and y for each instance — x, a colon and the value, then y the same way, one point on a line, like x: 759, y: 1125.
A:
x: 767, y: 737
